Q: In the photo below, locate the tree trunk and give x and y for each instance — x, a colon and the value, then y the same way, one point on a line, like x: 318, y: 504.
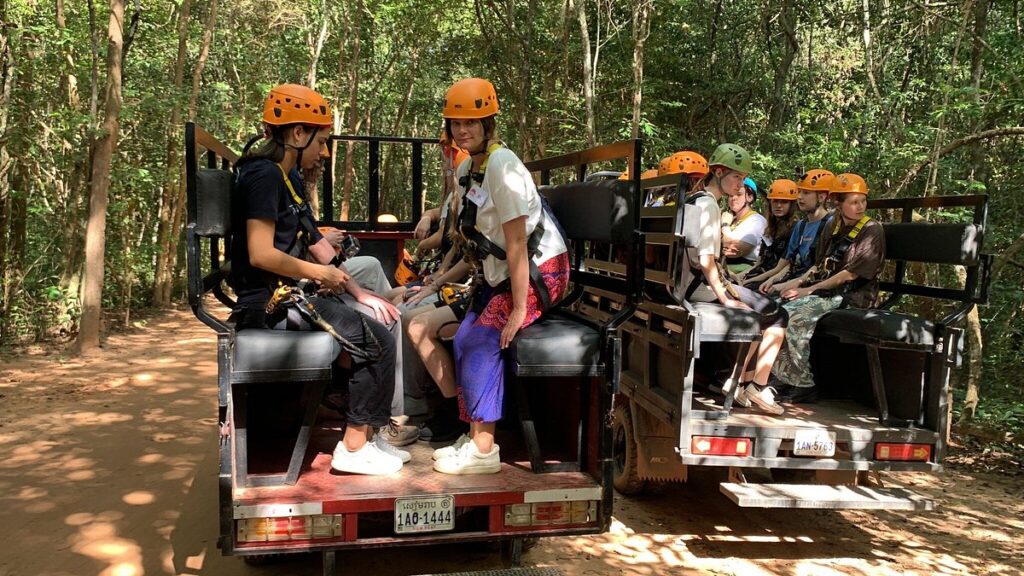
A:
x: 353, y: 115
x: 940, y: 132
x: 171, y: 189
x: 7, y: 73
x: 317, y: 47
x: 588, y: 72
x: 641, y: 30
x: 790, y: 48
x: 95, y: 235
x: 869, y: 60
x: 975, y: 356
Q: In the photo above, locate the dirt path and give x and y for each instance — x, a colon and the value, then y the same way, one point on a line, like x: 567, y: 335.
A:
x: 108, y: 466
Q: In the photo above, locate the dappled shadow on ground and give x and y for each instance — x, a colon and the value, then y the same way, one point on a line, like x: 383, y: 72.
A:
x: 108, y: 466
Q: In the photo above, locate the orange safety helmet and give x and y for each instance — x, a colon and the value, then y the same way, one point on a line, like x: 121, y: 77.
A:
x: 783, y: 189
x: 387, y: 219
x: 817, y: 180
x: 406, y: 271
x: 685, y: 162
x: 470, y: 98
x: 850, y: 183
x: 295, y: 104
x: 648, y: 174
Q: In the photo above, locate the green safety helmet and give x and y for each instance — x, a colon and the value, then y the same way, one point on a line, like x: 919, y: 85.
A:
x: 732, y: 157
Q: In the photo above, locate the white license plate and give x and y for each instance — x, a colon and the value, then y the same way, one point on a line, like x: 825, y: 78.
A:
x: 424, y: 514
x: 814, y: 443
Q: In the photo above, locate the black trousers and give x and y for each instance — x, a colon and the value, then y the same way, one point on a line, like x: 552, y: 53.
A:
x: 371, y: 383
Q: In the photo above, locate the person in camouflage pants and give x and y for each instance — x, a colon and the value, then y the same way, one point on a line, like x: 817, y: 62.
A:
x: 793, y: 366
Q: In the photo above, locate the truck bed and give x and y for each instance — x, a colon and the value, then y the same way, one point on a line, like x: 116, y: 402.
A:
x: 855, y: 419
x: 856, y: 428
x: 339, y: 492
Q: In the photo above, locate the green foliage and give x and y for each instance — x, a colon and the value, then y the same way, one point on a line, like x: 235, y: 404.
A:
x: 713, y: 71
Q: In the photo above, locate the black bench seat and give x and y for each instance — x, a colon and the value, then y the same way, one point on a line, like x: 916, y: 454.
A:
x: 559, y: 344
x: 880, y: 326
x: 282, y: 355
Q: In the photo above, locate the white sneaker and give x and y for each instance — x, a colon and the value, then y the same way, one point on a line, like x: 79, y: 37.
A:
x: 449, y: 451
x: 469, y: 461
x: 739, y: 396
x: 764, y: 398
x: 384, y: 446
x: 367, y: 460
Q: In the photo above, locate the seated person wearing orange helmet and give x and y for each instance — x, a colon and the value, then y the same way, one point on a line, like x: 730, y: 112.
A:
x: 691, y: 164
x: 813, y: 188
x: 524, y: 262
x: 728, y: 166
x: 782, y: 214
x: 274, y: 236
x: 849, y: 259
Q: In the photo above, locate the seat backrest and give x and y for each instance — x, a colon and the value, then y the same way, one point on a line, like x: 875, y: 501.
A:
x: 933, y: 243
x: 213, y: 202
x: 208, y: 224
x: 596, y: 210
x: 941, y: 243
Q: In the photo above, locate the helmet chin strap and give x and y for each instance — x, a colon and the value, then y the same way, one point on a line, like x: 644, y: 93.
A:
x: 298, y: 150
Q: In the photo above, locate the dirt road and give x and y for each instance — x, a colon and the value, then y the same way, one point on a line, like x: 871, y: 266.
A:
x: 108, y: 466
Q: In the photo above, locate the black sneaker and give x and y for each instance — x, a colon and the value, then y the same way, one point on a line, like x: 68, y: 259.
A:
x: 795, y: 394
x: 442, y: 429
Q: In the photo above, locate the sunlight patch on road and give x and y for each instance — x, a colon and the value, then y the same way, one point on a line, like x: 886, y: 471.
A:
x: 139, y: 498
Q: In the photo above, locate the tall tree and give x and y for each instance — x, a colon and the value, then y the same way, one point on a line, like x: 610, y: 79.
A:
x: 171, y: 189
x: 95, y: 233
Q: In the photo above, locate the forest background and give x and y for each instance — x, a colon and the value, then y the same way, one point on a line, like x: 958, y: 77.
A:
x: 919, y: 96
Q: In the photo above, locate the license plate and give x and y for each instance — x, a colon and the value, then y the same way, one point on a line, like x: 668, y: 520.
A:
x: 424, y: 514
x: 814, y: 443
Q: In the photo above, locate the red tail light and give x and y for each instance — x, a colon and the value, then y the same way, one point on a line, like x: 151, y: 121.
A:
x: 719, y: 446
x: 903, y: 452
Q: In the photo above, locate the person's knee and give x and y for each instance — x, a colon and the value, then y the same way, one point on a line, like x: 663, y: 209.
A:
x: 417, y: 330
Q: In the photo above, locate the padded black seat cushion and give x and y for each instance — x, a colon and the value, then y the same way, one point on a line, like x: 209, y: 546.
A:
x: 557, y: 345
x: 302, y: 353
x: 721, y: 324
x: 880, y: 325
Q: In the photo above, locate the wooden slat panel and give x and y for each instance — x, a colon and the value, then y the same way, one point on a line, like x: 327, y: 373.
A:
x: 204, y: 139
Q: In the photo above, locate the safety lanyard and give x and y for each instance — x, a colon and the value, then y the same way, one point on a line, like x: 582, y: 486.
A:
x: 288, y: 183
x: 852, y: 235
x: 735, y: 224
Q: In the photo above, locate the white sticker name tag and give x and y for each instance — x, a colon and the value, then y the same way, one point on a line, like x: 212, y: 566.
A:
x: 477, y: 195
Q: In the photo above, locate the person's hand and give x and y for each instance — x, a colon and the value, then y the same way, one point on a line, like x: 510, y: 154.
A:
x: 794, y: 293
x: 766, y: 286
x: 422, y: 229
x: 332, y: 278
x: 384, y: 311
x: 735, y: 305
x: 730, y: 251
x: 335, y: 236
x: 515, y: 322
x: 421, y: 292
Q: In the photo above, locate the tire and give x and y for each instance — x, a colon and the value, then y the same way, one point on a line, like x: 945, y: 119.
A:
x: 625, y: 475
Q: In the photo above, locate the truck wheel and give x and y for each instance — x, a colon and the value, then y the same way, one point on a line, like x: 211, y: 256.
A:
x: 625, y: 477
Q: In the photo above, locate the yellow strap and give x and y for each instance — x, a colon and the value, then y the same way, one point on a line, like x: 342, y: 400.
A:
x: 288, y: 183
x: 490, y: 149
x: 736, y: 223
x: 852, y: 235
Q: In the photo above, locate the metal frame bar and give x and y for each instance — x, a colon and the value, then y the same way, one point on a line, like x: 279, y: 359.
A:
x: 373, y: 189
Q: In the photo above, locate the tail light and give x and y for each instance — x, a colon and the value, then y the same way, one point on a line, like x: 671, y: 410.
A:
x: 720, y: 446
x: 289, y: 528
x: 551, y: 513
x: 903, y: 452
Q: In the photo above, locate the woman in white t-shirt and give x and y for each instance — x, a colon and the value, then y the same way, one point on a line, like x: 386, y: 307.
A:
x: 524, y: 261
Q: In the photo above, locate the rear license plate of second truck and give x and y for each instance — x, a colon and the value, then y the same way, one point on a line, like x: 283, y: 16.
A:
x: 814, y: 443
x: 424, y: 514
